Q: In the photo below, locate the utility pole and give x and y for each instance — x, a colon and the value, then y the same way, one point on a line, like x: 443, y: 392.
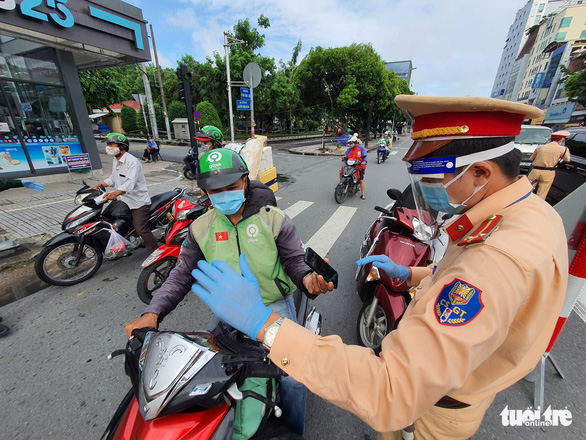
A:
x: 147, y: 91
x: 167, y: 126
x: 229, y: 41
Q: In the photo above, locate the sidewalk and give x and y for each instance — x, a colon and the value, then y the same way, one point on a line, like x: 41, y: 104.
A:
x: 30, y: 218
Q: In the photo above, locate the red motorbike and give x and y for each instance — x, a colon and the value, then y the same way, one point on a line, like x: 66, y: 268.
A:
x: 349, y: 180
x: 158, y: 265
x: 186, y: 386
x: 398, y: 233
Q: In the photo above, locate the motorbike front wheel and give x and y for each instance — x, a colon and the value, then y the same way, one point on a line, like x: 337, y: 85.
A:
x: 57, y: 265
x: 189, y: 174
x: 153, y: 277
x: 341, y: 192
x: 378, y: 158
x: 373, y: 335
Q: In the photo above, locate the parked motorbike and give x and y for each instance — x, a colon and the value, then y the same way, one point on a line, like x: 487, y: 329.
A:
x: 349, y: 180
x: 158, y: 265
x: 185, y: 385
x: 382, y: 151
x: 76, y: 254
x: 398, y: 233
x: 190, y: 168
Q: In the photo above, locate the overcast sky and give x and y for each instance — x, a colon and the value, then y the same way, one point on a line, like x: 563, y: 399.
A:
x: 455, y: 45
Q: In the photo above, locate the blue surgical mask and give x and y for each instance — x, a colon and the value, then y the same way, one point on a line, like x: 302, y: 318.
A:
x: 436, y: 195
x: 228, y: 202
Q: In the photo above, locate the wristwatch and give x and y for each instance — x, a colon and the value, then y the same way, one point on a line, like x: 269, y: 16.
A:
x: 271, y: 333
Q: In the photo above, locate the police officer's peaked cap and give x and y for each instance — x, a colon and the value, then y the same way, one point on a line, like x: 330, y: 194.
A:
x: 439, y: 120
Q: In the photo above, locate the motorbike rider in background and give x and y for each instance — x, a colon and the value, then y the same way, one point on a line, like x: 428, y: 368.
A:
x: 130, y: 186
x: 357, y: 152
x: 212, y: 137
x: 245, y: 221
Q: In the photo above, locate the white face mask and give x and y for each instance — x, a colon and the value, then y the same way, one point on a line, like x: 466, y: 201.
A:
x: 112, y: 151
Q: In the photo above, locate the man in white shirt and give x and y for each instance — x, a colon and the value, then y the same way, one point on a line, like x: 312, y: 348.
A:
x: 128, y: 179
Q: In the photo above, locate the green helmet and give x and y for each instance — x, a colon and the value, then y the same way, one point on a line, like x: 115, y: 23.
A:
x: 210, y: 133
x: 117, y: 138
x: 382, y: 142
x: 219, y: 168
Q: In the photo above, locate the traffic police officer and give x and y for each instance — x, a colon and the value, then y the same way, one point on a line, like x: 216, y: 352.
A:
x: 546, y: 159
x: 478, y: 322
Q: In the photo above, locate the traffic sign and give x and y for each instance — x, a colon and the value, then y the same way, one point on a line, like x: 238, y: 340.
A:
x: 196, y: 115
x: 252, y: 75
x: 242, y: 104
x: 244, y: 93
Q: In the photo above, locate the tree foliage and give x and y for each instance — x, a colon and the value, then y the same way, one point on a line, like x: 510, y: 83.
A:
x: 575, y: 85
x: 209, y: 115
x: 128, y: 119
x: 341, y: 82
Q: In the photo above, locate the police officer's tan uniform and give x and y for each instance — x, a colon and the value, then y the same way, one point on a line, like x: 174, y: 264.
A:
x: 545, y: 160
x: 476, y: 325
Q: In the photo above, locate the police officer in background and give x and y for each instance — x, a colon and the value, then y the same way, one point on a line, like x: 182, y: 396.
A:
x: 479, y: 321
x: 546, y: 159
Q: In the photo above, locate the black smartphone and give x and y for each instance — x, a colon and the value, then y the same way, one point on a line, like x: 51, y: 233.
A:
x: 320, y: 267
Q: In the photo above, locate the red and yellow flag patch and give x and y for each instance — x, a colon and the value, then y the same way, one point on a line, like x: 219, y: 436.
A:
x: 221, y: 236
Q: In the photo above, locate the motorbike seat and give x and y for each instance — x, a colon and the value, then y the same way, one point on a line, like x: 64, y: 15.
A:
x: 160, y: 200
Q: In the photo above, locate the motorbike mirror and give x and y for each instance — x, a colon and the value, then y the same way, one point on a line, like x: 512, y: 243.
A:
x: 394, y: 194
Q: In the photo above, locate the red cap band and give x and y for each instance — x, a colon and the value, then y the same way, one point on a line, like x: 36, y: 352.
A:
x: 467, y: 124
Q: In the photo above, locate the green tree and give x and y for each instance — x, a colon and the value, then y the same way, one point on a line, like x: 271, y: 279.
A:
x: 344, y: 81
x: 575, y: 85
x: 140, y: 125
x: 209, y: 115
x: 176, y: 110
x: 128, y: 119
x: 101, y: 87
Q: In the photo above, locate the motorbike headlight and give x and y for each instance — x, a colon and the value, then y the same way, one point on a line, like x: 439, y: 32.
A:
x: 182, y: 215
x: 80, y: 221
x: 78, y: 200
x: 421, y: 231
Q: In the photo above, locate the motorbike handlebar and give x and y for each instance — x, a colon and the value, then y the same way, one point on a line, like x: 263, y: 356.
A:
x: 269, y: 371
x: 383, y: 210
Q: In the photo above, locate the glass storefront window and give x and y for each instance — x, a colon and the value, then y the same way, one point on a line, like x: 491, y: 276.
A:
x: 36, y: 127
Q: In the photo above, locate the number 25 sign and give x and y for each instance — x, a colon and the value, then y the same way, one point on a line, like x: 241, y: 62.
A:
x: 63, y: 17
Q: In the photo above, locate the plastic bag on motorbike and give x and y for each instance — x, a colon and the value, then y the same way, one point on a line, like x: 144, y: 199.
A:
x: 117, y: 246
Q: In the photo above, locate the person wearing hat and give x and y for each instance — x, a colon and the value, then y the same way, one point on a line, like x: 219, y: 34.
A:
x: 245, y: 221
x: 546, y: 159
x: 356, y: 151
x: 479, y: 321
x: 212, y: 137
x: 130, y: 186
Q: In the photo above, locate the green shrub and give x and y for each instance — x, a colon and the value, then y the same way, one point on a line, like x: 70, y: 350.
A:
x: 128, y: 119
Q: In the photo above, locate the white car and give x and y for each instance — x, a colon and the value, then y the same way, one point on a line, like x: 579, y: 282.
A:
x: 528, y: 140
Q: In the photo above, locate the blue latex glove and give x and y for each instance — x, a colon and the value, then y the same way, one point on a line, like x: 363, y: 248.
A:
x: 385, y: 263
x: 30, y: 184
x: 234, y: 298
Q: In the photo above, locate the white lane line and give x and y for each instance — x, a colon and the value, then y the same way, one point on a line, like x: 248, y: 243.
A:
x: 278, y: 198
x: 297, y: 208
x: 323, y: 240
x: 393, y: 153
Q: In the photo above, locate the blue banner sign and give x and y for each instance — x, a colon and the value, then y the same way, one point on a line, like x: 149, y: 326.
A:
x: 244, y: 93
x: 77, y: 161
x: 242, y: 104
x: 538, y: 80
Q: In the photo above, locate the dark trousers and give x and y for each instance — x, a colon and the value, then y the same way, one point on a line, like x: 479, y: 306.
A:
x: 140, y: 218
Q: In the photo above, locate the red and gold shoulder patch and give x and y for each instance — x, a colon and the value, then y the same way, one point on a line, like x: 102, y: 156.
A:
x: 486, y: 228
x: 458, y: 303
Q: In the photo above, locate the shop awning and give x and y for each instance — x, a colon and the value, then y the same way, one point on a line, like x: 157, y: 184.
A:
x: 97, y: 115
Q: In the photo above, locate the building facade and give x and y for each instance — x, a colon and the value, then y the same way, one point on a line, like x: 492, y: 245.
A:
x: 43, y: 46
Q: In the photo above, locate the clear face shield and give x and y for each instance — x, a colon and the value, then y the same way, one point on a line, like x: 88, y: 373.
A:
x: 430, y: 192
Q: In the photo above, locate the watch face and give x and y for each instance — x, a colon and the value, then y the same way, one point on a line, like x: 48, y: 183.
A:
x: 271, y: 334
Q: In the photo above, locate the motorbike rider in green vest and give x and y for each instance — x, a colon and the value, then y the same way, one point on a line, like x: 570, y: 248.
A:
x: 245, y: 220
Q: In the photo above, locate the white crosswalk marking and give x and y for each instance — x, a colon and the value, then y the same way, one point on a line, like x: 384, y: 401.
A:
x: 297, y: 208
x: 323, y: 240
